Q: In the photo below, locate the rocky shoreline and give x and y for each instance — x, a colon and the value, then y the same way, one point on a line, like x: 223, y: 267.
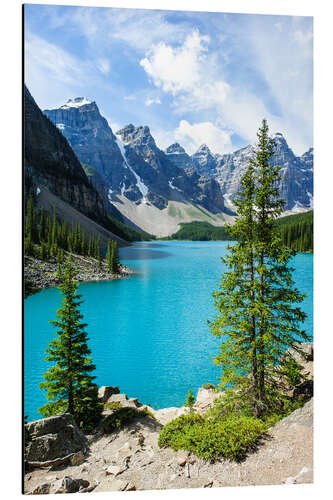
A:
x: 43, y: 274
x: 62, y: 459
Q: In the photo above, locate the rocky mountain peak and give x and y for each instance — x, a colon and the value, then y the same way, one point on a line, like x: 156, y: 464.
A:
x: 280, y: 140
x: 204, y: 160
x: 175, y: 148
x: 77, y: 102
x: 136, y: 136
x: 203, y: 149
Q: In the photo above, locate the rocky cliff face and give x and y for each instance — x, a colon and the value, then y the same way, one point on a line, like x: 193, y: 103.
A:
x: 50, y: 162
x: 205, y: 160
x: 129, y: 163
x: 177, y: 154
x: 296, y: 185
x: 162, y: 177
x: 94, y: 143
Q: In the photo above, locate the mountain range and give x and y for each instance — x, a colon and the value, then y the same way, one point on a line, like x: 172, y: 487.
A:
x: 132, y: 174
x: 125, y: 174
x: 296, y: 184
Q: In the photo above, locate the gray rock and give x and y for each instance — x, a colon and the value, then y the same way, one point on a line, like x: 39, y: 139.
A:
x: 54, y: 437
x: 43, y: 489
x: 68, y: 485
x: 78, y: 458
x: 106, y: 391
x: 111, y: 484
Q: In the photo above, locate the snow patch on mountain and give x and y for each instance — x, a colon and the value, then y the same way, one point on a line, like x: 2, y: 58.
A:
x: 172, y: 186
x: 310, y: 199
x: 75, y: 103
x: 139, y: 182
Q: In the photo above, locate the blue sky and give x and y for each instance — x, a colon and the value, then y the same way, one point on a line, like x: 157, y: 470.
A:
x: 191, y: 77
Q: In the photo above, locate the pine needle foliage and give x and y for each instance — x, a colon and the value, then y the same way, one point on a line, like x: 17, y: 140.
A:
x: 69, y: 381
x: 257, y: 301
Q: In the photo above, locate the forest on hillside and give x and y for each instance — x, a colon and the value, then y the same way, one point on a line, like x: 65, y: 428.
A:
x: 296, y: 231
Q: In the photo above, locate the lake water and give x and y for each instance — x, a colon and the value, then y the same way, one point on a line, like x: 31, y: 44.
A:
x: 148, y: 333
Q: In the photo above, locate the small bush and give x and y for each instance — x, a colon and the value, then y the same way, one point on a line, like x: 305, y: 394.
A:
x: 115, y: 405
x: 190, y: 400
x: 211, y: 438
x: 209, y: 386
x: 292, y: 372
x: 122, y: 416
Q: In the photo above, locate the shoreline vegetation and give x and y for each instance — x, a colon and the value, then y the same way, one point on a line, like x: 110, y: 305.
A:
x: 296, y: 231
x: 40, y: 274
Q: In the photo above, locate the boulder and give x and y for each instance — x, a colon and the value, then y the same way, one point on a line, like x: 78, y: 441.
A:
x: 106, y: 391
x: 124, y: 400
x: 42, y: 489
x: 111, y: 484
x: 205, y: 399
x: 68, y: 485
x: 77, y: 458
x: 307, y: 348
x: 53, y: 437
x: 114, y: 470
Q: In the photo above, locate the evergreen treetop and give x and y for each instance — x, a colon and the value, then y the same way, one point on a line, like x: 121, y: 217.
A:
x: 257, y: 300
x: 69, y: 381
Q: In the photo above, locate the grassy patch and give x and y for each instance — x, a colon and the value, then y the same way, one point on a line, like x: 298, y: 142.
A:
x: 174, y: 211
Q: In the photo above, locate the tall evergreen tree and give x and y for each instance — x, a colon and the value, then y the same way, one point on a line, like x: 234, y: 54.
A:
x: 68, y: 382
x: 115, y: 260
x: 257, y: 300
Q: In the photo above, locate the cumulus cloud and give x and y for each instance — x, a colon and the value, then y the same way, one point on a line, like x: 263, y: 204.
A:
x: 194, y: 76
x: 192, y: 136
x: 150, y: 100
x: 176, y: 69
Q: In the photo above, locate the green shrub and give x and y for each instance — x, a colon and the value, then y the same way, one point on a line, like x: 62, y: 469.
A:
x: 122, y: 416
x: 211, y: 438
x: 208, y: 386
x: 190, y: 400
x: 115, y: 405
x: 292, y: 371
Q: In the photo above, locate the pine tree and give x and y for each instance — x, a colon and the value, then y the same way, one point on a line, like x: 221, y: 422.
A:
x: 99, y: 259
x: 30, y: 226
x: 115, y: 260
x: 110, y: 257
x: 257, y: 300
x: 43, y: 251
x: 41, y: 225
x: 68, y: 382
x: 190, y: 400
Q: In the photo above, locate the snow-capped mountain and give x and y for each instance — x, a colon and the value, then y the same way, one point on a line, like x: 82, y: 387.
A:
x: 131, y: 165
x: 296, y: 185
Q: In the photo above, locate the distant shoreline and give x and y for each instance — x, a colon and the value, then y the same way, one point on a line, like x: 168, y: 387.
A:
x: 39, y: 274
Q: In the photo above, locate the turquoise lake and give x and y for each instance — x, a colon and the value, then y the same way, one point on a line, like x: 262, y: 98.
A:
x: 148, y: 333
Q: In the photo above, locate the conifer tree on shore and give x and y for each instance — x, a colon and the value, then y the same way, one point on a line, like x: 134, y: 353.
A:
x: 257, y: 301
x: 116, y: 263
x: 68, y: 382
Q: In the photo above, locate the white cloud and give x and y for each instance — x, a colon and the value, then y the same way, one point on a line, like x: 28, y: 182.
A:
x: 176, y: 69
x: 193, y: 76
x: 103, y: 65
x: 192, y: 136
x: 150, y: 100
